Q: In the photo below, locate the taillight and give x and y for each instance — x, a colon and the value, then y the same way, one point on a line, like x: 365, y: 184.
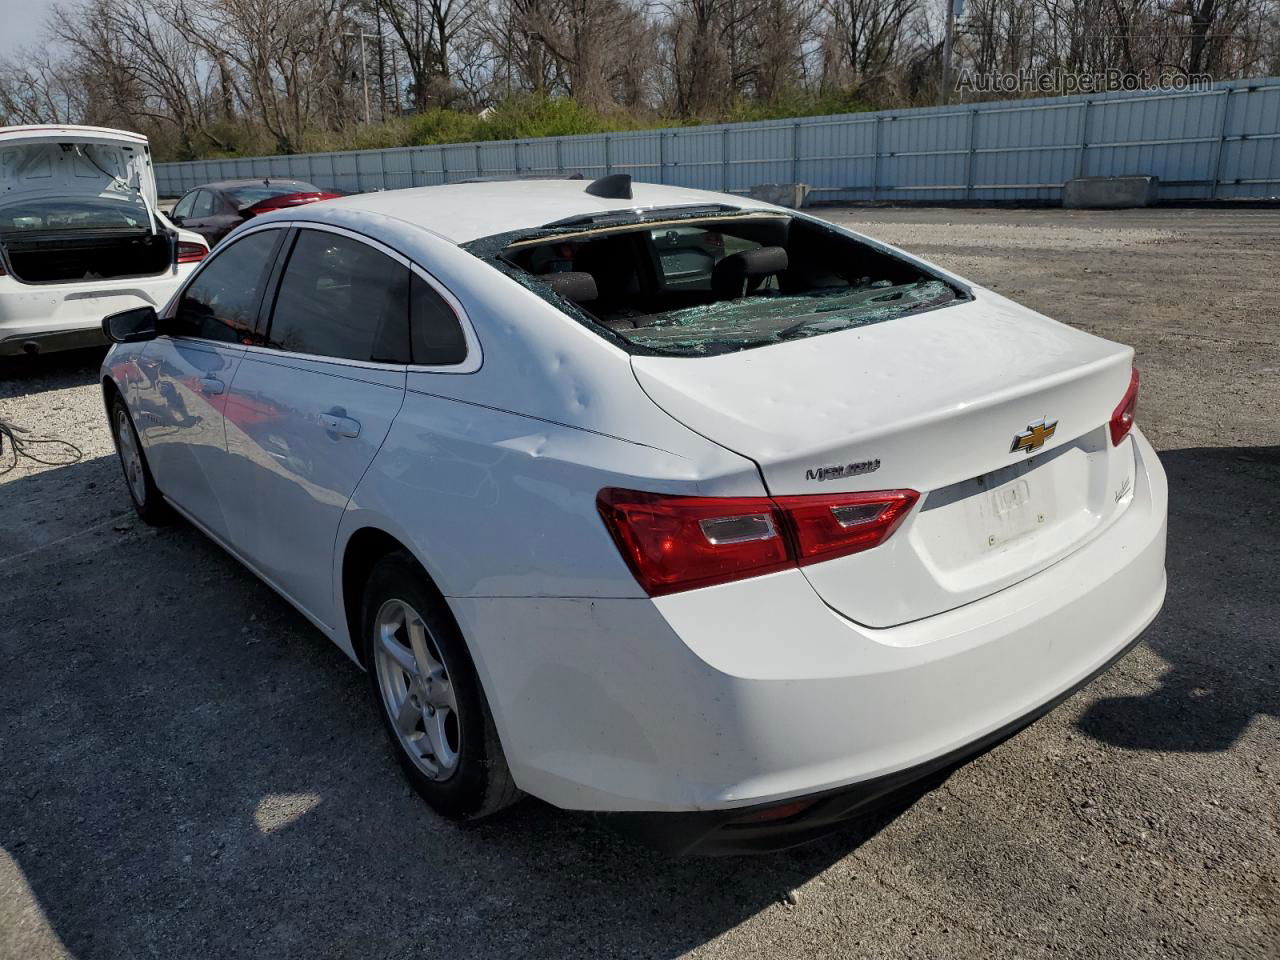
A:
x: 829, y: 527
x: 191, y: 252
x: 1122, y: 418
x: 679, y: 543
x: 673, y: 543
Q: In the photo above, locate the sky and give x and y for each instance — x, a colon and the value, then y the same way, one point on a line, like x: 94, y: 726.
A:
x: 20, y: 23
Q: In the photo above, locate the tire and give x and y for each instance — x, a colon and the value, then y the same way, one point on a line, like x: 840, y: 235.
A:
x: 421, y: 672
x: 147, y: 501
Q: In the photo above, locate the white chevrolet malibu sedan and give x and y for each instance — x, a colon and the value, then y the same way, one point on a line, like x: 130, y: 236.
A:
x: 703, y: 514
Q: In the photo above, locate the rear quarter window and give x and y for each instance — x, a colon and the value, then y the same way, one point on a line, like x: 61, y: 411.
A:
x: 436, y: 333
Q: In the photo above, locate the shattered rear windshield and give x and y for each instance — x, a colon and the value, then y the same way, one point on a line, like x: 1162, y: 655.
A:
x: 699, y: 287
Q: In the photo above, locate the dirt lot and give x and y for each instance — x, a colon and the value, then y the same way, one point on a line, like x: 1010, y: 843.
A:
x: 191, y: 770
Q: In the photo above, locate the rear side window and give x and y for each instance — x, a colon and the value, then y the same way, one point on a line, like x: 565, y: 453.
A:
x: 342, y: 298
x: 437, y: 335
x: 221, y: 303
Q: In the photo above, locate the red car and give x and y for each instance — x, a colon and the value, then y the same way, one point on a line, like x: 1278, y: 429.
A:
x: 214, y: 209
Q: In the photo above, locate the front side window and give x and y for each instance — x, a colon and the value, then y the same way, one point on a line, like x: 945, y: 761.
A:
x: 341, y: 298
x: 221, y: 303
x: 183, y: 209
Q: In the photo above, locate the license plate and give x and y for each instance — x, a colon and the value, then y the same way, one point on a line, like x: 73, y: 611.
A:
x: 1011, y: 511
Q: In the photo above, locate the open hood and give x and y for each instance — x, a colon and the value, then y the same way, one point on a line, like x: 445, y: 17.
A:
x: 74, y: 161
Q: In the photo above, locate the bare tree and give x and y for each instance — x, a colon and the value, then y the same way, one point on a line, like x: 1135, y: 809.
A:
x: 427, y: 31
x: 590, y: 43
x: 773, y: 59
x: 285, y: 52
x: 34, y: 88
x: 866, y: 36
x: 226, y: 75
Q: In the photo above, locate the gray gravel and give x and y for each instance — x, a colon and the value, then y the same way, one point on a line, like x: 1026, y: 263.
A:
x: 190, y: 770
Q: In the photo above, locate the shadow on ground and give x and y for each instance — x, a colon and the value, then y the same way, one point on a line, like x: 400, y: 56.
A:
x: 1219, y: 631
x: 191, y: 769
x: 71, y: 368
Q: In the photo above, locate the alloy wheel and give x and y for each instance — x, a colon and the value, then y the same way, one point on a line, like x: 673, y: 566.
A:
x: 416, y: 690
x: 130, y: 457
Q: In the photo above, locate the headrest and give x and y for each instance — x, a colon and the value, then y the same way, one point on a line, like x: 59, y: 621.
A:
x: 577, y: 286
x: 731, y: 273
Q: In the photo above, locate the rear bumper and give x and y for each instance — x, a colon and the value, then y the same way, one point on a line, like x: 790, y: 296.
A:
x: 51, y: 341
x: 752, y: 693
x: 46, y: 317
x: 725, y: 832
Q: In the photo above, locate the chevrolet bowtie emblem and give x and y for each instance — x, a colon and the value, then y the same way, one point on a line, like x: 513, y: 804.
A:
x: 1034, y: 436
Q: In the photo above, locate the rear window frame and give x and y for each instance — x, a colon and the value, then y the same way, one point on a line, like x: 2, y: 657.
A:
x: 492, y: 250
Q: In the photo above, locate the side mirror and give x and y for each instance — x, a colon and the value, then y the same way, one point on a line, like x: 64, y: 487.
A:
x: 176, y: 220
x: 131, y: 326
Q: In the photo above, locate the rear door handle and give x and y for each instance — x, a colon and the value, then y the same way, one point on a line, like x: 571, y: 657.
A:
x: 212, y: 386
x: 342, y: 426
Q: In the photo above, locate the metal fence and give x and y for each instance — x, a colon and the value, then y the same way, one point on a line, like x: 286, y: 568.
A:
x: 1219, y: 142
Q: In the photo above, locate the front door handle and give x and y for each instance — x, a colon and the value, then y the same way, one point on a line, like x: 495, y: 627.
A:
x: 342, y: 426
x: 211, y: 386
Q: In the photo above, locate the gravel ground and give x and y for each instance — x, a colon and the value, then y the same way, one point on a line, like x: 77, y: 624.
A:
x: 191, y: 770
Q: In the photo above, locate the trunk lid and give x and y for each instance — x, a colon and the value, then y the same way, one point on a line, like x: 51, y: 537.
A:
x: 75, y: 161
x: 931, y: 402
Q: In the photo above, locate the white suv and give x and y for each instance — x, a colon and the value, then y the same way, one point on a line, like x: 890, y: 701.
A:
x: 81, y: 235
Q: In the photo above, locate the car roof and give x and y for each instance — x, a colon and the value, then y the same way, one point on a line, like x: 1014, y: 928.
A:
x: 462, y: 212
x: 248, y: 182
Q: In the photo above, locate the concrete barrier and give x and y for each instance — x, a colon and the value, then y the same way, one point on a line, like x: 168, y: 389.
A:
x: 1110, y: 193
x: 791, y: 195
